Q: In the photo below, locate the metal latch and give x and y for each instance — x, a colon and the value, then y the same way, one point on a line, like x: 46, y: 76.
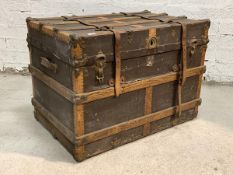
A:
x: 99, y: 67
x: 193, y: 46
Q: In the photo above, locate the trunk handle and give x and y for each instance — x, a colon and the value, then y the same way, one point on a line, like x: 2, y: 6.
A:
x: 48, y: 64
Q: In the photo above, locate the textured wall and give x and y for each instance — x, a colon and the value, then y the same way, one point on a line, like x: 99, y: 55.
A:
x: 13, y: 48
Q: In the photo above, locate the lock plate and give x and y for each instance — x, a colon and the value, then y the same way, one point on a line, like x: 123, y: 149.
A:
x: 100, y: 63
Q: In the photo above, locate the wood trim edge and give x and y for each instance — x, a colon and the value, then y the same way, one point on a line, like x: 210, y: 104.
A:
x: 136, y: 85
x: 78, y: 87
x: 81, y: 98
x: 53, y: 120
x: 53, y: 84
x: 147, y: 109
x: 106, y: 132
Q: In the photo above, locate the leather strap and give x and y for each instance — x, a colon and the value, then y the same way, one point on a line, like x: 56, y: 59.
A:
x: 117, y: 47
x: 117, y: 53
x: 183, y: 67
x: 183, y: 63
x: 143, y: 16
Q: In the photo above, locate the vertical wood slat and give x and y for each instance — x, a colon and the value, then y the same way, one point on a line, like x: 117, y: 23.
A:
x: 78, y: 87
x: 203, y: 52
x: 148, y: 94
x: 147, y: 109
x: 200, y: 76
x: 79, y: 116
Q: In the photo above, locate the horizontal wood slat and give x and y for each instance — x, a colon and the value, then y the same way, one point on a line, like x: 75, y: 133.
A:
x: 49, y: 22
x: 140, y: 84
x: 53, y: 84
x: 82, y: 98
x: 97, y: 135
x: 51, y: 118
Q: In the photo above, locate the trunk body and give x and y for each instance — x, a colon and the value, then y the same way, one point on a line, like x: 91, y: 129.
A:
x: 106, y: 80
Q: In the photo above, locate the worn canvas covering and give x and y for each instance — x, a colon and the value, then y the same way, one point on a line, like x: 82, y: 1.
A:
x: 102, y: 81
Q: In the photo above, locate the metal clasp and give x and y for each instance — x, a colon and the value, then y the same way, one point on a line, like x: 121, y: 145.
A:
x: 193, y: 46
x: 99, y: 67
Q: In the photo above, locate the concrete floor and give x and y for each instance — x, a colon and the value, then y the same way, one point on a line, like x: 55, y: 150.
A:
x: 202, y: 146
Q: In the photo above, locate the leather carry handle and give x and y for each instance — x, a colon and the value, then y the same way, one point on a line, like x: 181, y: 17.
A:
x: 48, y: 64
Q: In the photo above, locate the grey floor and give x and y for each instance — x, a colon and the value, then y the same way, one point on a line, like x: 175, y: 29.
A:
x: 202, y: 146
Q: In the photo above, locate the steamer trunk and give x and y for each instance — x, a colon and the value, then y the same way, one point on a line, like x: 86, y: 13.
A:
x: 102, y: 81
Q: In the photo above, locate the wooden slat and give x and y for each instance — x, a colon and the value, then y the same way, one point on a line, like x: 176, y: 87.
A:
x: 88, y: 17
x: 108, y: 92
x: 203, y: 52
x: 141, y: 84
x: 103, y: 133
x: 36, y: 22
x: 147, y: 109
x: 132, y: 23
x: 53, y: 84
x: 201, y: 75
x: 52, y: 119
x: 78, y: 87
x: 148, y: 100
x: 149, y: 93
x: 48, y: 27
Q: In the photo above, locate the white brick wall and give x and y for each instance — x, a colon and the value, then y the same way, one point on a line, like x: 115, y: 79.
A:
x: 13, y: 47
